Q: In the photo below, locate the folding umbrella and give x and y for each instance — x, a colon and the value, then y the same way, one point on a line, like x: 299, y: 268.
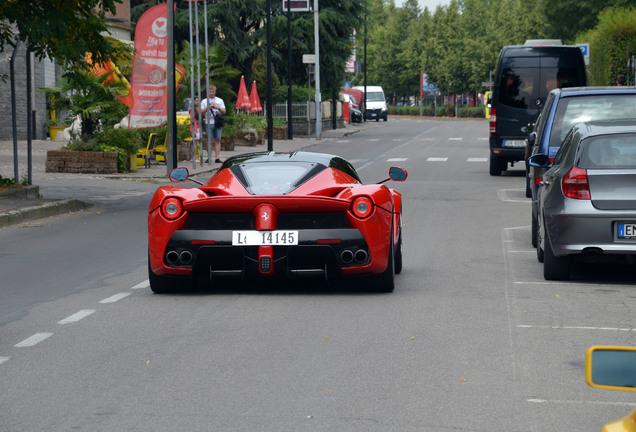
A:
x: 254, y: 100
x: 243, y: 101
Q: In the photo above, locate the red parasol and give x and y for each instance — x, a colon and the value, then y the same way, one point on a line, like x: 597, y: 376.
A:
x: 243, y: 101
x: 254, y: 100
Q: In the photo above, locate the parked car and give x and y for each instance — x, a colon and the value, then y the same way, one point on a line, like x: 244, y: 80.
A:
x: 276, y: 215
x: 563, y: 108
x: 587, y: 199
x: 525, y: 75
x: 613, y: 368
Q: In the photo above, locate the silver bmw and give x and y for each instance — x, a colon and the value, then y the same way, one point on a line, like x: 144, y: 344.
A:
x: 587, y: 199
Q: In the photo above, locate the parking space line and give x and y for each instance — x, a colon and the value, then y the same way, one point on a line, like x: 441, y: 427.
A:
x: 543, y: 327
x: 144, y: 284
x: 77, y: 316
x: 116, y: 297
x: 33, y: 340
x: 573, y: 402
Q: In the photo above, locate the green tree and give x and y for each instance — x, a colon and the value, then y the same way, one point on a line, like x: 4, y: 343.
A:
x: 63, y: 30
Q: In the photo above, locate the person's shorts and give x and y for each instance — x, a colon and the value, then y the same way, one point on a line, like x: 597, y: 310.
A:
x: 214, y: 132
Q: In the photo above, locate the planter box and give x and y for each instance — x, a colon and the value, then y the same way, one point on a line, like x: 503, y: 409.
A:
x: 227, y: 143
x: 84, y: 162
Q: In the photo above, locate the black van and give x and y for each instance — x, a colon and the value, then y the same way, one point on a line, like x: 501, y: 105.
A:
x: 524, y: 77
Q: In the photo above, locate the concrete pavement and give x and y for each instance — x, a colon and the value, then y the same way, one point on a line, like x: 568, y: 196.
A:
x: 21, y: 204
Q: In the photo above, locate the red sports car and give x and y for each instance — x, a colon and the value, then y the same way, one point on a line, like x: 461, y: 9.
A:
x: 276, y: 215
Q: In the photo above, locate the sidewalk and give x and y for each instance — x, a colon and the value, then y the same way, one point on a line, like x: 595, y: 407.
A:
x: 25, y: 203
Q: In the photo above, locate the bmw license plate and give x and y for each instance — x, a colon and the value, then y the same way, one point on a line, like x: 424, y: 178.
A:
x: 264, y: 238
x: 514, y: 143
x: 627, y: 230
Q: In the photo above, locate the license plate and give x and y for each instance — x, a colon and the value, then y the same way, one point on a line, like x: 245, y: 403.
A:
x: 514, y: 143
x: 264, y: 238
x: 627, y: 230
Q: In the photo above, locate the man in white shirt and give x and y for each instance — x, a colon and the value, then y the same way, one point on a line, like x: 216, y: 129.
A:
x: 209, y: 107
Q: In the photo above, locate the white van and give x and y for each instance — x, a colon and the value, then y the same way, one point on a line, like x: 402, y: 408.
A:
x: 376, y: 103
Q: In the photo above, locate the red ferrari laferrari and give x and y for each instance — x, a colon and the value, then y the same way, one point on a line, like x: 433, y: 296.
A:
x: 276, y: 215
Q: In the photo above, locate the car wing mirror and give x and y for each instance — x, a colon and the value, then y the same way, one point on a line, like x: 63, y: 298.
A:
x: 181, y: 174
x: 396, y: 174
x: 539, y: 161
x: 611, y: 367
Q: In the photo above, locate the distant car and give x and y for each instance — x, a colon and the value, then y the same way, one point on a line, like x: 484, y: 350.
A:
x: 587, y: 199
x: 564, y: 108
x: 276, y: 216
x: 613, y: 368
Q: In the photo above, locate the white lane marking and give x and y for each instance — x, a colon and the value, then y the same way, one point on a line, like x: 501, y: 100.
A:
x: 576, y: 328
x: 144, y: 284
x: 374, y: 139
x: 482, y: 139
x: 477, y: 160
x: 115, y: 298
x: 455, y: 139
x: 428, y: 139
x: 33, y: 340
x: 3, y: 359
x: 579, y: 402
x: 397, y: 159
x: 343, y: 141
x: 77, y: 316
x: 437, y: 159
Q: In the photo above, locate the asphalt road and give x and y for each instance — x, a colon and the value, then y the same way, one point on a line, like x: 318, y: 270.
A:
x: 472, y: 339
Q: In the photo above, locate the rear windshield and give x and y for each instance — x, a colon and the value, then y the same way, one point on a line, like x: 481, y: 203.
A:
x: 272, y: 178
x: 521, y: 86
x: 573, y: 110
x: 609, y: 151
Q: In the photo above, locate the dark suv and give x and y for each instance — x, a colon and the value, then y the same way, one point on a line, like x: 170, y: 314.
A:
x: 563, y: 109
x: 525, y: 75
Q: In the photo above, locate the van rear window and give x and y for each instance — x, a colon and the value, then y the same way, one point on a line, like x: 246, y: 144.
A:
x: 520, y: 87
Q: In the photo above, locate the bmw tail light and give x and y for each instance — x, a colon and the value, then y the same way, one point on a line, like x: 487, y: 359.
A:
x: 172, y: 208
x: 574, y: 184
x: 493, y: 121
x: 362, y: 207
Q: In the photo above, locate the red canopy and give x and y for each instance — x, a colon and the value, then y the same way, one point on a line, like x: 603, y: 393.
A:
x: 254, y: 100
x: 243, y: 101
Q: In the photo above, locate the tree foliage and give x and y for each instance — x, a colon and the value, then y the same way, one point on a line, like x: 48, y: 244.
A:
x: 64, y: 30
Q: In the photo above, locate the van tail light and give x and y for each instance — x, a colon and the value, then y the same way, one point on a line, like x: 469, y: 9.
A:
x: 574, y: 184
x: 493, y: 121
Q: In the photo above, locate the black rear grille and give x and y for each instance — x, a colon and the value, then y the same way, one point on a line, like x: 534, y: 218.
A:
x: 220, y: 221
x: 313, y: 220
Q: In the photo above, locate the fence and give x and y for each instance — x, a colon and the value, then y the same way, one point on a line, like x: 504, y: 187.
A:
x: 304, y: 115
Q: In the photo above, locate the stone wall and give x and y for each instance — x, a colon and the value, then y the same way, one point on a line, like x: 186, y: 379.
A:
x: 84, y: 162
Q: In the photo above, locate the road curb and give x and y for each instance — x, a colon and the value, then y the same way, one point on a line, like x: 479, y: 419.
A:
x: 39, y: 211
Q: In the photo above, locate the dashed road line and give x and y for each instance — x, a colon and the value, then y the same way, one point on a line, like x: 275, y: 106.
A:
x: 3, y: 359
x: 144, y: 284
x: 437, y: 159
x: 33, y: 340
x: 476, y: 159
x: 573, y: 402
x: 115, y: 298
x: 455, y: 139
x: 544, y: 327
x: 77, y: 316
x: 397, y: 159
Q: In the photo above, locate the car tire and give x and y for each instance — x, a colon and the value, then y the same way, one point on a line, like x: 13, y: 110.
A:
x: 496, y: 166
x: 528, y: 191
x: 554, y: 267
x: 385, y: 119
x: 378, y: 119
x: 385, y: 282
x: 534, y: 230
x: 166, y: 284
x: 398, y: 255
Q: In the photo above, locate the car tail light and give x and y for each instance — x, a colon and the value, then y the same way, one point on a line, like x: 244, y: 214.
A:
x: 172, y: 208
x: 574, y: 184
x: 362, y: 207
x: 493, y: 121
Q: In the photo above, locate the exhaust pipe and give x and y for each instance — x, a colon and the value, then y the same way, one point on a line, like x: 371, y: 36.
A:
x: 361, y: 255
x: 172, y: 257
x: 346, y: 256
x: 185, y: 257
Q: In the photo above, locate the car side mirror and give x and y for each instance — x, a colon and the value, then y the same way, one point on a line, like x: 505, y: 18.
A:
x: 397, y: 174
x: 178, y: 175
x: 611, y: 367
x: 539, y: 161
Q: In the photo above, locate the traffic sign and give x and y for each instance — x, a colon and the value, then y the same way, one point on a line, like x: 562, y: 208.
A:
x: 585, y: 49
x: 296, y: 5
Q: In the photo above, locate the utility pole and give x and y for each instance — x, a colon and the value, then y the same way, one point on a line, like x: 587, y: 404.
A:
x: 317, y: 71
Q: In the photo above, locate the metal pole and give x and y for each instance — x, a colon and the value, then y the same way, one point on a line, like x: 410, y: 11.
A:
x: 192, y: 110
x: 14, y: 114
x: 317, y: 71
x: 364, y: 96
x: 207, y: 79
x: 290, y: 120
x: 29, y: 120
x: 171, y: 156
x: 270, y: 120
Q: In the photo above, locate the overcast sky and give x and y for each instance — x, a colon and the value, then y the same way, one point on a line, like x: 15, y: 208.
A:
x: 430, y: 4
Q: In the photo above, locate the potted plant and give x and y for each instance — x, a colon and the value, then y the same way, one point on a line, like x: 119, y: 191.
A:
x: 56, y: 125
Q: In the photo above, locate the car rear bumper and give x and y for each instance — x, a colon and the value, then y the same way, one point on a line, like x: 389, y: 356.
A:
x: 510, y: 154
